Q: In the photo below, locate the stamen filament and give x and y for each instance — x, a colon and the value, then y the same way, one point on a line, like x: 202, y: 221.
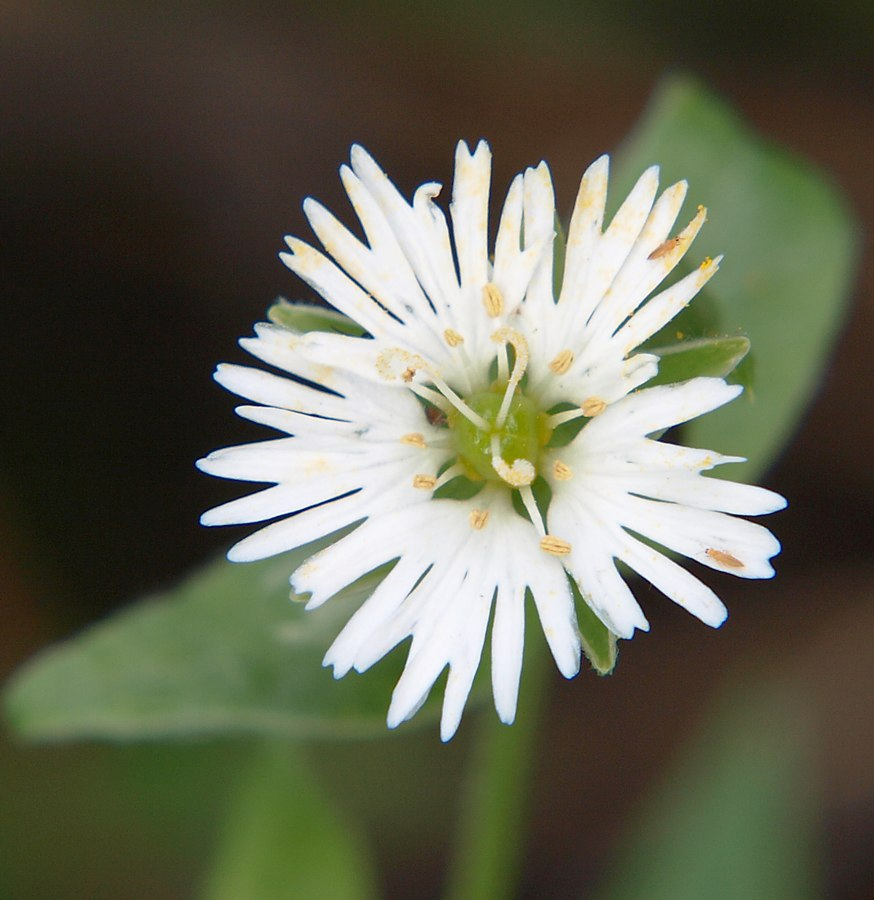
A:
x: 452, y: 472
x: 527, y: 496
x: 458, y: 403
x: 560, y: 418
x: 431, y: 396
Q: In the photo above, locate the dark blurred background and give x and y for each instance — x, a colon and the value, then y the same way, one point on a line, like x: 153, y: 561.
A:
x: 152, y: 155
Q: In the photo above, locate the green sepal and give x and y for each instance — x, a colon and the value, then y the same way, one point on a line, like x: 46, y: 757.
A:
x: 303, y: 317
x: 559, y: 253
x: 599, y: 643
x: 715, y: 357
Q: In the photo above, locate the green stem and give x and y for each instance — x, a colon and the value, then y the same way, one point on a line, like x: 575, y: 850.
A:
x: 490, y: 837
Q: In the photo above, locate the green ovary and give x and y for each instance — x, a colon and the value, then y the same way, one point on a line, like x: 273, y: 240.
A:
x: 523, y: 434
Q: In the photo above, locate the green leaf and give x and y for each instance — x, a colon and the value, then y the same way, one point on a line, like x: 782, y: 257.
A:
x: 716, y: 357
x: 599, y: 643
x: 284, y: 839
x: 789, y: 245
x: 736, y: 816
x: 303, y: 317
x: 225, y: 652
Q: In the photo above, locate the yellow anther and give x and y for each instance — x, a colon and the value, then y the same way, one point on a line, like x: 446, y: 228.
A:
x: 562, y: 471
x: 478, y: 519
x: 493, y: 300
x: 706, y: 263
x: 562, y: 362
x: 425, y: 482
x: 592, y: 407
x: 555, y: 546
x: 724, y: 559
x: 453, y: 338
x: 414, y: 440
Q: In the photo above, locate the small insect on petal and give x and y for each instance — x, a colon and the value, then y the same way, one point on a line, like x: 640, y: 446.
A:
x: 724, y: 558
x: 665, y: 248
x: 435, y: 416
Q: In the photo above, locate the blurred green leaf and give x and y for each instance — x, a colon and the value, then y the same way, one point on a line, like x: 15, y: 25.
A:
x: 284, y: 839
x: 716, y: 357
x: 225, y: 652
x: 736, y: 817
x: 789, y: 245
x: 303, y: 317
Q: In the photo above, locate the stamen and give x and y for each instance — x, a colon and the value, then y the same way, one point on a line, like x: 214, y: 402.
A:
x: 492, y: 299
x: 554, y: 545
x: 520, y: 474
x: 562, y: 362
x: 520, y: 345
x: 592, y: 407
x: 424, y: 482
x: 433, y: 397
x: 458, y: 403
x: 452, y: 472
x: 724, y: 558
x: 562, y: 471
x: 533, y: 510
x: 560, y: 418
x: 453, y: 338
x: 414, y: 440
x: 478, y: 519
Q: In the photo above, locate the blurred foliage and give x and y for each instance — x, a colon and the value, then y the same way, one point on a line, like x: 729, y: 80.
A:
x: 736, y: 815
x: 226, y: 652
x: 789, y: 244
x: 285, y: 840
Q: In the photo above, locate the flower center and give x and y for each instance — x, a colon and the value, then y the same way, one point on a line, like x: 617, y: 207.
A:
x: 516, y: 443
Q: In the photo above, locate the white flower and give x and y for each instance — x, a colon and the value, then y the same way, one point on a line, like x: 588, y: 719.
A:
x: 467, y: 375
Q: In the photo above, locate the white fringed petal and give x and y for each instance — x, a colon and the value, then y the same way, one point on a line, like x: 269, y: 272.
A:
x: 359, y: 456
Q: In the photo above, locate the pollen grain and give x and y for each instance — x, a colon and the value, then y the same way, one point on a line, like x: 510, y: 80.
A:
x: 562, y: 471
x: 555, y: 546
x: 592, y: 407
x: 478, y: 519
x: 562, y: 362
x: 493, y: 300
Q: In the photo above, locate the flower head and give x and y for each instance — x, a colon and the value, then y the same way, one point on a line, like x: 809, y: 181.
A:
x: 487, y: 434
